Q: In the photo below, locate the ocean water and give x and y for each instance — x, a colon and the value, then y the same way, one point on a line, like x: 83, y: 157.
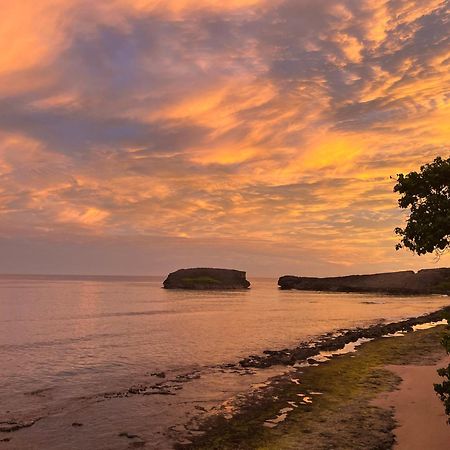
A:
x: 77, y: 350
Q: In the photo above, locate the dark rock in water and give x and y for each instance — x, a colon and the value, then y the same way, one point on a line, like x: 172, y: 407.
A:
x: 128, y: 435
x: 206, y: 279
x: 426, y: 281
x: 11, y: 425
x: 158, y: 374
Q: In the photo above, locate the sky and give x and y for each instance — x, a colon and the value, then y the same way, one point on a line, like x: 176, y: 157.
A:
x: 142, y: 136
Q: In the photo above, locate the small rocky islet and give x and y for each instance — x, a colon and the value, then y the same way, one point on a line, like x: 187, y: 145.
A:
x: 207, y: 279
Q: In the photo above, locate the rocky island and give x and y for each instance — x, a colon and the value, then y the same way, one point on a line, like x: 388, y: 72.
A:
x: 426, y: 281
x: 206, y: 279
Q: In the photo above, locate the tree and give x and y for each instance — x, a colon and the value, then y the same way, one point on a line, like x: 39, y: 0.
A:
x: 427, y: 194
x: 427, y: 230
x: 443, y: 389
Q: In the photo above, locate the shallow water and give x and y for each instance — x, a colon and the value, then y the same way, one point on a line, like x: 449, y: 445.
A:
x: 64, y: 343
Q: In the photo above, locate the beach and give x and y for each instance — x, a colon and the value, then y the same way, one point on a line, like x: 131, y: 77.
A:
x: 379, y: 397
x: 420, y: 418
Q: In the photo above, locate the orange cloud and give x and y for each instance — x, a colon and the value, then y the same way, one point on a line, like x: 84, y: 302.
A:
x: 278, y: 123
x: 31, y: 32
x: 87, y: 216
x: 181, y: 6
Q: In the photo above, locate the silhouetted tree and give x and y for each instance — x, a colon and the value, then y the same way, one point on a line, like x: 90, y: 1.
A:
x: 427, y: 194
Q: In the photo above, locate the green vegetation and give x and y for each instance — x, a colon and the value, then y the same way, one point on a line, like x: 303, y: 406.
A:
x: 443, y: 287
x: 201, y: 280
x: 341, y: 417
x: 427, y: 194
x: 443, y: 388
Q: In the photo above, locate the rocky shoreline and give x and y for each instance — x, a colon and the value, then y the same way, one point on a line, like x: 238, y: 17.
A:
x: 324, y: 406
x: 335, y: 341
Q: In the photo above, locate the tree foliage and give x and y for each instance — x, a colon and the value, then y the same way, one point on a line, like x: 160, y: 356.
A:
x: 443, y: 389
x: 427, y: 194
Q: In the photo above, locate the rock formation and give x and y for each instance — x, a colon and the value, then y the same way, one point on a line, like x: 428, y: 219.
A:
x: 206, y: 279
x: 426, y: 281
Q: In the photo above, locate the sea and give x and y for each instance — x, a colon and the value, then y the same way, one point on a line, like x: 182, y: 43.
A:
x: 119, y: 362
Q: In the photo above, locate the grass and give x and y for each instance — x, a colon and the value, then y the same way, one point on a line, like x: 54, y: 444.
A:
x: 201, y: 280
x: 443, y: 287
x: 341, y: 418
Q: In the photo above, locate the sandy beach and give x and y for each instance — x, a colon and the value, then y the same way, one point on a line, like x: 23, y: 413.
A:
x: 421, y: 422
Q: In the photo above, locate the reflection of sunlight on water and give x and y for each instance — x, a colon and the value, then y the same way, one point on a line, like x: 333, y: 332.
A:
x: 87, y: 305
x: 426, y: 326
x: 324, y: 356
x: 281, y: 417
x: 88, y: 358
x: 396, y: 334
x: 348, y: 348
x: 284, y: 412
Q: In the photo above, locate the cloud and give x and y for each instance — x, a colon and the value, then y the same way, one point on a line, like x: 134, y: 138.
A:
x: 242, y: 125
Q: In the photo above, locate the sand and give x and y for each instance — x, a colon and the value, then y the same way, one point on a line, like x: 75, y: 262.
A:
x: 422, y: 424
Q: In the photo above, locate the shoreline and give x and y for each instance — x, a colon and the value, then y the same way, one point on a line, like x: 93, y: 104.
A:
x: 282, y: 371
x: 326, y: 405
x: 333, y: 341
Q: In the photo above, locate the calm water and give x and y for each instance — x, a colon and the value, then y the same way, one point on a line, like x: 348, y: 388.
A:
x: 66, y: 342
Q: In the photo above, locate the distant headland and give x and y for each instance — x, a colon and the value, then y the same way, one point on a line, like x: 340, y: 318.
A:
x: 207, y: 279
x: 426, y: 281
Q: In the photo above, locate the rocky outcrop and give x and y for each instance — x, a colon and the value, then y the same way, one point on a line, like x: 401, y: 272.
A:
x: 334, y: 341
x: 426, y: 281
x: 206, y: 279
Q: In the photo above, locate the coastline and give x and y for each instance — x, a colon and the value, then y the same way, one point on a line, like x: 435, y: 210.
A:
x: 333, y: 341
x: 281, y: 374
x: 330, y: 405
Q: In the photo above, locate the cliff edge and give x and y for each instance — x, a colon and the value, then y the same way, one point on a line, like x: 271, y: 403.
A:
x: 426, y: 281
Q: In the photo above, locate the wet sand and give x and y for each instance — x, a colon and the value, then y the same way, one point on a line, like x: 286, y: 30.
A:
x: 418, y: 411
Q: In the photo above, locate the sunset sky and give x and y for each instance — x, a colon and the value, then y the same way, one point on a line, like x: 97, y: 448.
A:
x: 141, y: 136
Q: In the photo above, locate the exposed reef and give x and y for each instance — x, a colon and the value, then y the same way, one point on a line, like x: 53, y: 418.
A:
x: 323, y: 406
x: 336, y: 341
x: 426, y: 281
x: 206, y: 279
